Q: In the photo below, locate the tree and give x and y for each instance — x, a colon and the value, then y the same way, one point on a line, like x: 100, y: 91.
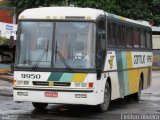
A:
x: 156, y: 12
x: 3, y: 41
x: 138, y: 10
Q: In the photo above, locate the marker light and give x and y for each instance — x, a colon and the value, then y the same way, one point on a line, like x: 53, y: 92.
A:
x: 14, y: 82
x: 90, y: 84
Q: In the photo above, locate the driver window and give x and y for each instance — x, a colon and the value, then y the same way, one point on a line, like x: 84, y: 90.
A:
x: 101, y: 35
x: 101, y: 43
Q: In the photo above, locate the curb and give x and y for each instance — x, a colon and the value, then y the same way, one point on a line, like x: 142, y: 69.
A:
x: 6, y: 94
x: 155, y: 74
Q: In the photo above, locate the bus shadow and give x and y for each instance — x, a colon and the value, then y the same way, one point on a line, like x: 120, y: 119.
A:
x: 81, y: 111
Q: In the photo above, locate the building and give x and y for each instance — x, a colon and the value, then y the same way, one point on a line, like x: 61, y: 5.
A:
x: 5, y: 12
x: 156, y: 47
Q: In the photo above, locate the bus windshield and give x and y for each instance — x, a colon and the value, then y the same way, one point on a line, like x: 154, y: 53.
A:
x: 41, y: 41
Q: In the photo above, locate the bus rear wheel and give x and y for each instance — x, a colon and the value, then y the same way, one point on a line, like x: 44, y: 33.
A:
x: 107, y: 98
x: 39, y: 106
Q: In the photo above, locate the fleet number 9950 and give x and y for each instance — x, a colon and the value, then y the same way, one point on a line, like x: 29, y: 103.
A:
x: 31, y: 76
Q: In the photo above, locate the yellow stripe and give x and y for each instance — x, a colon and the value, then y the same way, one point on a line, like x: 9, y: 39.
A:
x: 129, y: 59
x: 79, y: 77
x: 133, y: 76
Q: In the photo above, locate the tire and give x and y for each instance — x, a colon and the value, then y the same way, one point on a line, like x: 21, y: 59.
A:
x: 107, y: 98
x: 40, y: 106
x: 137, y: 96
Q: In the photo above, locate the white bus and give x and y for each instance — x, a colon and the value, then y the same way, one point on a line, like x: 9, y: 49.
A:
x: 70, y: 55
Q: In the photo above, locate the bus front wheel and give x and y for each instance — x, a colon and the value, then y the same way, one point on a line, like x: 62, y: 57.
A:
x: 107, y: 98
x: 40, y: 106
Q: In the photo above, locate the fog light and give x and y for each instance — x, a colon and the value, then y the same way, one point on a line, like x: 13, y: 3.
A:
x: 22, y: 82
x: 22, y: 93
x: 77, y: 95
x: 83, y: 95
x: 19, y: 82
x: 26, y: 82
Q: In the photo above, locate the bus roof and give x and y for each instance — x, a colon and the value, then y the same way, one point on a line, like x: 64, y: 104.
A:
x: 61, y: 13
x: 139, y: 22
x: 71, y: 13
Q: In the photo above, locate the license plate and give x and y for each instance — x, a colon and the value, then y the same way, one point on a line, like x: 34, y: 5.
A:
x: 50, y: 94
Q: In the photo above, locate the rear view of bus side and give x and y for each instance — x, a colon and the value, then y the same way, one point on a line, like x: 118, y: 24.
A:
x: 70, y: 55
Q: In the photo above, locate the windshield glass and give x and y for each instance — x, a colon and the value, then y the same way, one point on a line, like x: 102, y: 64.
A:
x: 75, y: 42
x: 41, y: 41
x: 35, y: 38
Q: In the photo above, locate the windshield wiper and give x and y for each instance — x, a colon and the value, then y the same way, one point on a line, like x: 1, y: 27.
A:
x: 45, y: 51
x: 62, y: 59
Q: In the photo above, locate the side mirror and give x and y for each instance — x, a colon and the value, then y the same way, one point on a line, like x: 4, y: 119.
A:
x: 11, y: 42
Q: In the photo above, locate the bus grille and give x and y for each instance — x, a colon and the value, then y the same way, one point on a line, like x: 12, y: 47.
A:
x: 50, y: 83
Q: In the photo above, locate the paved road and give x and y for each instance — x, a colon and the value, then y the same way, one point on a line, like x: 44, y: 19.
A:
x: 119, y: 109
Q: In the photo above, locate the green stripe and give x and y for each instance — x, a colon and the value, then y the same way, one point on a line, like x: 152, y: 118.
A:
x: 55, y: 76
x: 125, y: 73
x: 66, y: 77
x: 120, y: 73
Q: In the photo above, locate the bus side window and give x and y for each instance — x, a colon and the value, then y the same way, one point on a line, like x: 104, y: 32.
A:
x: 123, y: 35
x: 128, y: 41
x: 114, y: 35
x: 148, y: 40
x: 142, y: 39
x: 120, y: 34
x: 131, y: 36
x: 136, y: 38
x: 109, y: 35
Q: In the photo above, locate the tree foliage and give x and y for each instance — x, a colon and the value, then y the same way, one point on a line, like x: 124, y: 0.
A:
x: 138, y: 10
x: 3, y: 41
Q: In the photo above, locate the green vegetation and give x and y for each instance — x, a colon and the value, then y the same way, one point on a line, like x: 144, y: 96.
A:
x: 3, y: 41
x: 134, y: 9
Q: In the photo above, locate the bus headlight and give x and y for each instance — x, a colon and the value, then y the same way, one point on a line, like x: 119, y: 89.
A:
x: 80, y: 84
x: 22, y: 82
x: 84, y: 85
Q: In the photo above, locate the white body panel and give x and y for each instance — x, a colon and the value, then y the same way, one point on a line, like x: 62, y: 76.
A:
x: 63, y: 97
x: 66, y: 94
